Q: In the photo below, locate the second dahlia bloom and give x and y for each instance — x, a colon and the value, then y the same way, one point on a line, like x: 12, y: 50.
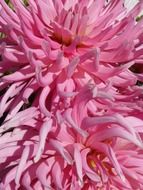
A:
x: 69, y: 103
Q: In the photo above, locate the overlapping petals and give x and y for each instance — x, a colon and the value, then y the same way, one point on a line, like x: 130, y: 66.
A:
x: 71, y: 95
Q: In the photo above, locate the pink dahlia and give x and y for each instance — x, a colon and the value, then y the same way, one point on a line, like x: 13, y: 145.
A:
x: 71, y: 95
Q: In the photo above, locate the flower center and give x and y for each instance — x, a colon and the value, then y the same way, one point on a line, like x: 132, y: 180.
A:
x: 69, y: 25
x: 99, y: 163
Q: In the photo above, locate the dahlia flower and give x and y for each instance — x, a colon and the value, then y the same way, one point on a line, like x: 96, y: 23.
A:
x: 71, y: 95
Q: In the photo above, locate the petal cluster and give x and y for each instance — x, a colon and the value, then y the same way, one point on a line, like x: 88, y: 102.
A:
x: 71, y: 96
